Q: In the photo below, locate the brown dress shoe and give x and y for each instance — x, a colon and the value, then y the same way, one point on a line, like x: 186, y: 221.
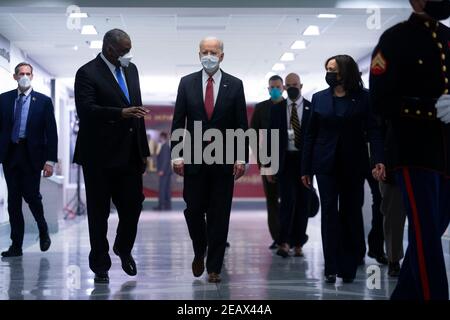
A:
x: 198, y: 266
x: 214, y: 277
x: 298, y: 252
x: 283, y: 250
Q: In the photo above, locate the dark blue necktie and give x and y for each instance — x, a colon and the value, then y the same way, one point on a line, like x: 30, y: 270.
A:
x: 17, y: 118
x: 122, y: 84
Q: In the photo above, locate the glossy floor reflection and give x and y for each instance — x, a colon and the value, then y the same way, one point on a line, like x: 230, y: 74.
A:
x: 163, y: 254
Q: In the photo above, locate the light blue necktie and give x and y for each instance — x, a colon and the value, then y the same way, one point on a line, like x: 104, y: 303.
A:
x: 17, y: 118
x: 122, y: 84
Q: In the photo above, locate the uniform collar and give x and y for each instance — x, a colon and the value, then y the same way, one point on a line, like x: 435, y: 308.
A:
x: 26, y: 93
x: 423, y: 20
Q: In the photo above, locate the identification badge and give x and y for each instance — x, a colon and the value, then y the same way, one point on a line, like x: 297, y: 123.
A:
x: 291, y: 135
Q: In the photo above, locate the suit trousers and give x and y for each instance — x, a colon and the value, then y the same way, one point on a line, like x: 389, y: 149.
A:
x: 22, y: 181
x: 208, y: 195
x: 122, y: 185
x: 165, y: 199
x: 394, y: 214
x: 293, y: 196
x: 375, y: 238
x: 341, y: 197
x: 423, y: 275
x: 273, y: 207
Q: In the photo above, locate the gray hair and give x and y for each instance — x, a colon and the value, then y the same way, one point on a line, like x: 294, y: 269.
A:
x: 210, y: 39
x: 114, y: 36
x: 23, y: 64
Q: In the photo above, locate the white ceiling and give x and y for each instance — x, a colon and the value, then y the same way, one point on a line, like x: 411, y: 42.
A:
x: 165, y: 41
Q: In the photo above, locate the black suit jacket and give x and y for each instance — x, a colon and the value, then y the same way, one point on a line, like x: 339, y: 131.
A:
x: 326, y: 132
x: 105, y: 139
x: 278, y: 120
x: 230, y: 112
x: 261, y: 121
x: 42, y: 136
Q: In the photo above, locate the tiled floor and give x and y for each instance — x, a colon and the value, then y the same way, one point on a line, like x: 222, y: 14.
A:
x: 163, y: 254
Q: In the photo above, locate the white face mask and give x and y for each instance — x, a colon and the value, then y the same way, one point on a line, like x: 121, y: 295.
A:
x: 210, y: 63
x: 24, y: 82
x: 125, y: 60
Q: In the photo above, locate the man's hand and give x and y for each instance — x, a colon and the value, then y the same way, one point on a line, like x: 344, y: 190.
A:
x: 48, y: 170
x: 443, y: 108
x: 271, y: 178
x: 379, y: 172
x: 134, y: 112
x: 178, y: 167
x: 307, y: 181
x: 239, y: 170
x: 160, y: 173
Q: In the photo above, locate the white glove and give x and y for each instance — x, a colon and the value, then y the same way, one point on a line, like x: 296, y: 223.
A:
x: 443, y: 108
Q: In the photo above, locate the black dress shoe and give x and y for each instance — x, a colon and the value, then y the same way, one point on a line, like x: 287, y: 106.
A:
x: 394, y: 269
x: 273, y: 246
x: 198, y: 266
x: 128, y: 264
x: 101, y: 277
x: 44, y: 241
x: 12, y: 252
x: 331, y: 278
x: 380, y: 258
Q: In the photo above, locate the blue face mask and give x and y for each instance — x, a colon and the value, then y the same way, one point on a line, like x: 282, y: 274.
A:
x: 275, y: 93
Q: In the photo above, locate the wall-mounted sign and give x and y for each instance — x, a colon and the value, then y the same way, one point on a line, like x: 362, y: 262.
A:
x: 5, y: 56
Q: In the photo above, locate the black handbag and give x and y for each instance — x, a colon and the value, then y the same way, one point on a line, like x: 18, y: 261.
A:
x: 313, y: 203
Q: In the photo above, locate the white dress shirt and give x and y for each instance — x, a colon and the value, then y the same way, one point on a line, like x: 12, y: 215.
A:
x: 291, y: 135
x: 113, y: 70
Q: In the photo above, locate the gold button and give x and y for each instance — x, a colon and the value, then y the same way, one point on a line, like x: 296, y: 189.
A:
x: 444, y: 68
x: 430, y: 114
x: 418, y: 112
x: 427, y: 24
x: 420, y: 61
x: 440, y: 45
x: 434, y: 35
x: 446, y: 80
x: 445, y: 91
x: 443, y: 56
x: 406, y: 111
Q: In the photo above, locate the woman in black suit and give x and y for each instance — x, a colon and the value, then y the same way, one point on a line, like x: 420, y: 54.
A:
x: 336, y: 152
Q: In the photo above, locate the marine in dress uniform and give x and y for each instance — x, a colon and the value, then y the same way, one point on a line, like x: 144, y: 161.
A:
x: 409, y: 85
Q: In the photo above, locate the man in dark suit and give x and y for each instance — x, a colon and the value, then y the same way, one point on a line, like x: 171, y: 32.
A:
x: 28, y: 145
x: 261, y: 121
x: 164, y: 167
x: 215, y: 100
x: 290, y: 118
x: 112, y: 147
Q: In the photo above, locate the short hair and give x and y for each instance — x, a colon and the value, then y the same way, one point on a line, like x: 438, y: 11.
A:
x: 209, y: 39
x: 349, y: 72
x: 114, y: 36
x: 23, y: 64
x: 276, y: 78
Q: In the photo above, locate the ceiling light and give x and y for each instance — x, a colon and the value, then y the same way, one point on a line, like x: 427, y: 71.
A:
x: 75, y: 48
x: 89, y: 29
x: 287, y: 56
x: 278, y: 67
x: 96, y: 44
x: 78, y: 15
x: 327, y: 16
x: 298, y: 45
x: 312, y: 31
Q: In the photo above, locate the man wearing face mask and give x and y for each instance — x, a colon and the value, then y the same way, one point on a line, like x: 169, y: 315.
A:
x: 290, y: 117
x: 409, y: 84
x: 112, y: 148
x: 217, y: 100
x: 28, y: 145
x: 261, y: 121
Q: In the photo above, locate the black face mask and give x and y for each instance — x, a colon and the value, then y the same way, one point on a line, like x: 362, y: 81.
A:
x: 293, y: 93
x: 439, y: 10
x: 332, y: 80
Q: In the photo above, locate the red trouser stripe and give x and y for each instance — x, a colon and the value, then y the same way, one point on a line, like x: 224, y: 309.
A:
x: 418, y: 233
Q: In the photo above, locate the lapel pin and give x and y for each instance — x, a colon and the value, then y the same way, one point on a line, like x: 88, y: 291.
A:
x: 306, y: 108
x: 225, y: 85
x: 34, y: 99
